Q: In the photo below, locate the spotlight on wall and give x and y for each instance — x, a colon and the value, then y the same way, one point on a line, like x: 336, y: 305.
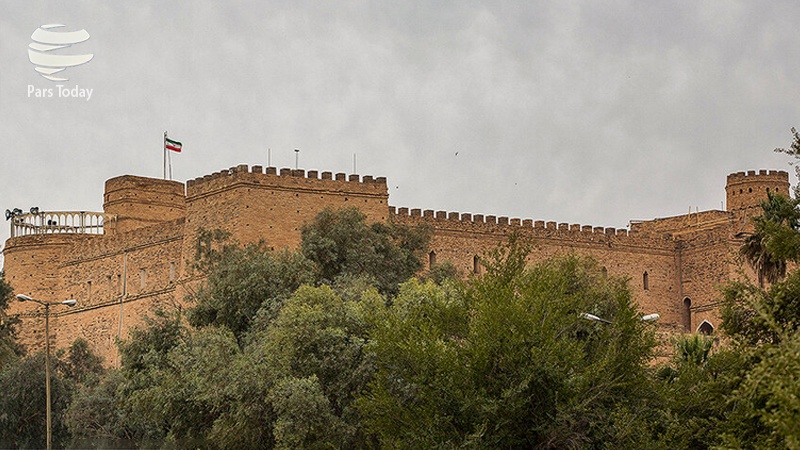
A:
x: 12, y: 213
x: 34, y: 210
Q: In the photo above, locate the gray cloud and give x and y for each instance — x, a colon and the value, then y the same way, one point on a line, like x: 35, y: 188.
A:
x: 580, y: 112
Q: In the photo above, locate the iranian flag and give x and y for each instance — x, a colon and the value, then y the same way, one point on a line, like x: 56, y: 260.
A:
x: 175, y: 146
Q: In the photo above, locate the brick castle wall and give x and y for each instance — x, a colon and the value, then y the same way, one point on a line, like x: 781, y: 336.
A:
x: 674, y: 264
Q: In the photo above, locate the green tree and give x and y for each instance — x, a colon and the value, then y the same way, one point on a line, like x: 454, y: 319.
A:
x: 317, y: 344
x: 697, y: 384
x: 95, y: 417
x: 23, y: 405
x: 10, y: 349
x: 246, y: 282
x: 764, y: 329
x: 341, y: 242
x: 145, y: 358
x: 305, y: 418
x: 775, y: 240
x: 794, y: 152
x: 509, y: 362
x: 81, y: 364
x: 768, y: 401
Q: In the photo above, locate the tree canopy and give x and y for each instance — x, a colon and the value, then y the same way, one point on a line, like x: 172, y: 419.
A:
x: 509, y: 361
x: 342, y: 243
x: 346, y: 344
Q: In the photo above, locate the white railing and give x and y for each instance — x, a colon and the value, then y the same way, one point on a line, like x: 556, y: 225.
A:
x: 56, y: 222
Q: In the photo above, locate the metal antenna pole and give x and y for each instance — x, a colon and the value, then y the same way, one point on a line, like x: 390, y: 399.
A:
x: 296, y: 158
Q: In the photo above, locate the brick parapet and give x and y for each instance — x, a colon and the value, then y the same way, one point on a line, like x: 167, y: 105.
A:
x: 489, y: 224
x: 286, y: 179
x: 775, y: 175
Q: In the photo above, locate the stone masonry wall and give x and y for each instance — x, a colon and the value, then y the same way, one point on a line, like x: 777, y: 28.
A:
x: 674, y: 265
x: 272, y: 206
x: 460, y: 238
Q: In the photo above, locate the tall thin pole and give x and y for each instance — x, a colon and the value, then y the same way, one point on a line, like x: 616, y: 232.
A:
x: 354, y: 163
x: 164, y: 147
x: 269, y: 157
x: 296, y: 158
x: 47, y: 373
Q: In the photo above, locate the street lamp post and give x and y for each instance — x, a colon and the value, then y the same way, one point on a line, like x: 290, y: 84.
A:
x: 647, y: 318
x: 25, y: 298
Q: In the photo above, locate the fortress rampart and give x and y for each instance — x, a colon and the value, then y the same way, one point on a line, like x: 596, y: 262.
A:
x: 133, y: 257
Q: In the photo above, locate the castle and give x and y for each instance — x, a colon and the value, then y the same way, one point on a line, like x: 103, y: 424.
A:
x: 133, y: 257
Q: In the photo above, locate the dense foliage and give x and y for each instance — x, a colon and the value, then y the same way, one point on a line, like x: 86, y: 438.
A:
x: 341, y: 243
x: 344, y: 344
x: 509, y: 362
x: 10, y: 350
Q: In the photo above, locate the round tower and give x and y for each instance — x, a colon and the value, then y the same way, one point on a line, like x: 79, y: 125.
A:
x: 140, y: 201
x: 746, y: 191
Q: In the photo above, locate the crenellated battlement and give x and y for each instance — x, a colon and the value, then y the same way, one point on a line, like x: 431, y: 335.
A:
x: 751, y: 175
x: 503, y: 223
x: 286, y: 178
x: 746, y: 190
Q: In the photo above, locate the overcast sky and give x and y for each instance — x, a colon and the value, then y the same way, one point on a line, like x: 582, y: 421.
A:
x: 581, y: 112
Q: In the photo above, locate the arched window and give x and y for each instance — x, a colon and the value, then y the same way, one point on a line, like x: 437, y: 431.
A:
x: 687, y: 314
x: 476, y: 264
x: 705, y: 328
x: 646, y: 281
x: 431, y: 258
x: 604, y: 272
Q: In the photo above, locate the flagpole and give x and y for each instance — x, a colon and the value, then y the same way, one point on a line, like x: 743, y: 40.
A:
x: 164, y: 164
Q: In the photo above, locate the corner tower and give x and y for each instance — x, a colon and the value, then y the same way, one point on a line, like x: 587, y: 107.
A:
x: 140, y: 201
x: 746, y: 191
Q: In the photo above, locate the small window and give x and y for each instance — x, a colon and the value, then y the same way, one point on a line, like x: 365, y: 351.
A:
x: 750, y: 190
x: 476, y: 264
x: 142, y: 278
x: 431, y: 258
x: 687, y: 314
x: 604, y: 272
x: 172, y: 271
x: 646, y: 281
